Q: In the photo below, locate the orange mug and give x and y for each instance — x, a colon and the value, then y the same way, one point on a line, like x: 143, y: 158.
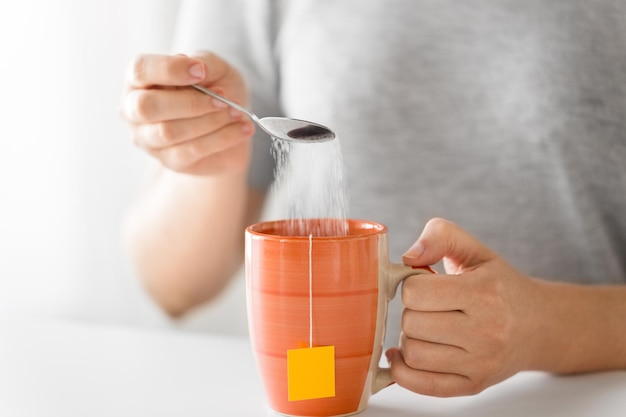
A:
x: 321, y: 301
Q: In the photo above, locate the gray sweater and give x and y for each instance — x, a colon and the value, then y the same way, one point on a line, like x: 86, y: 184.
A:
x: 507, y: 117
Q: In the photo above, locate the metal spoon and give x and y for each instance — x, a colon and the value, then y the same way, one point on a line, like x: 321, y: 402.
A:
x: 284, y: 128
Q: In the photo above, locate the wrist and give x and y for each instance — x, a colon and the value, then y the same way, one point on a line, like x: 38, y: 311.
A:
x: 545, y: 338
x: 579, y: 328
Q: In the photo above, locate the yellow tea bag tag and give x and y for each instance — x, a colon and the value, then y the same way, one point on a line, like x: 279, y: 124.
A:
x: 311, y: 373
x: 311, y: 370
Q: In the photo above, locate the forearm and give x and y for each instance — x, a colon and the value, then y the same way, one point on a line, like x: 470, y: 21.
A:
x: 185, y: 236
x: 581, y: 328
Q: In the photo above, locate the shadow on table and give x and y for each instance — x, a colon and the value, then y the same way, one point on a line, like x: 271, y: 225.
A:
x: 581, y: 395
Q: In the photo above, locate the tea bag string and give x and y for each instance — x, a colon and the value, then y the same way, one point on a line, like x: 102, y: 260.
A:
x: 311, y: 290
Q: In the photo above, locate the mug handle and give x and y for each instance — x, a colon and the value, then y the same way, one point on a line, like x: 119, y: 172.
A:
x: 397, y: 273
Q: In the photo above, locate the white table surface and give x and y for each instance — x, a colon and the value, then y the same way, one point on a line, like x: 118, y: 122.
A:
x: 55, y: 368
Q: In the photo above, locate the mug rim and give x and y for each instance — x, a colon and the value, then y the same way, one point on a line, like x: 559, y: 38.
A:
x: 361, y: 227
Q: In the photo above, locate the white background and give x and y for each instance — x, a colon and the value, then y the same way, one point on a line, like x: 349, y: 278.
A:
x: 67, y: 168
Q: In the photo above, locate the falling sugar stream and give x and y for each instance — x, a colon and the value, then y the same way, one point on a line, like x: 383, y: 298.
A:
x: 310, y: 183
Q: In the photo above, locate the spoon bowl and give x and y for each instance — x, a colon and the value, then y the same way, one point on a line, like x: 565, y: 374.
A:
x: 284, y: 128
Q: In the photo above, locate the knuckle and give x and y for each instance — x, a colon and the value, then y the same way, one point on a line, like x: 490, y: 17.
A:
x: 496, y: 340
x: 411, y: 358
x: 196, y: 149
x: 405, y: 296
x: 404, y: 319
x: 176, y: 158
x: 138, y: 68
x: 439, y: 225
x: 438, y: 228
x: 144, y: 105
x: 495, y: 335
x: 496, y: 287
x: 167, y: 132
x: 136, y: 139
x: 407, y: 322
x: 169, y: 70
x: 492, y: 294
x: 408, y: 292
x: 502, y: 333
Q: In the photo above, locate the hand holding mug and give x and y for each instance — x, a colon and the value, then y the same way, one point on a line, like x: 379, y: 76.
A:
x: 469, y: 329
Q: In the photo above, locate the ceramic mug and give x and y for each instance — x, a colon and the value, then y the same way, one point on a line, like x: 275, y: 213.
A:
x: 310, y: 292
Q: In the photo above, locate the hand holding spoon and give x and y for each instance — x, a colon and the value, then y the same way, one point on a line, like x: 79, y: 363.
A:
x: 284, y: 128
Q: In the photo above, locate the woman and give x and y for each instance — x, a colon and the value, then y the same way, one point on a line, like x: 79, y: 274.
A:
x: 504, y: 117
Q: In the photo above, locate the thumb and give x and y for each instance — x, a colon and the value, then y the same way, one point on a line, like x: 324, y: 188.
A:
x: 222, y: 77
x: 206, y: 67
x: 444, y: 240
x: 216, y: 68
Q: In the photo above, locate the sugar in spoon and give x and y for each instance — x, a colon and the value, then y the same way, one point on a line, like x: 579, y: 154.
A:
x: 284, y: 128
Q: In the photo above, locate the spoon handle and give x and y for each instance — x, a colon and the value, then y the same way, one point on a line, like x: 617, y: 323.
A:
x: 227, y: 101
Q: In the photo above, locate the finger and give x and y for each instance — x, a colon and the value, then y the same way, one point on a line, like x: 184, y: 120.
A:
x: 426, y: 292
x: 437, y: 384
x: 172, y: 132
x: 184, y: 155
x: 434, y: 357
x: 436, y: 327
x: 156, y: 105
x: 216, y: 67
x: 150, y: 70
x: 442, y: 239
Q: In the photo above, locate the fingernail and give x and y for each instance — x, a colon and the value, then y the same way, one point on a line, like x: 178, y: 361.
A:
x: 414, y: 251
x: 197, y: 70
